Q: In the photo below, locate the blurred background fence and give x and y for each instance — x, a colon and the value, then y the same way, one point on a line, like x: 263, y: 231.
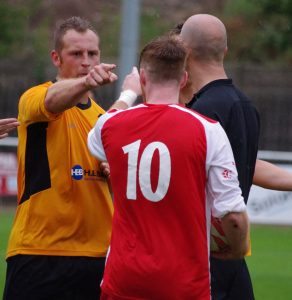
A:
x: 270, y: 89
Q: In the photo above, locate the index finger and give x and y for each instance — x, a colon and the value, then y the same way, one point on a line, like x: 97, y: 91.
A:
x: 135, y: 70
x: 108, y: 67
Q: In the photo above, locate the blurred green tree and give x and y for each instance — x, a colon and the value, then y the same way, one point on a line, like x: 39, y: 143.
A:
x: 259, y: 30
x: 23, y: 37
x: 13, y: 24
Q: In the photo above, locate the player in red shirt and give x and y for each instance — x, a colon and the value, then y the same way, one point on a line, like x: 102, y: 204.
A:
x: 170, y: 168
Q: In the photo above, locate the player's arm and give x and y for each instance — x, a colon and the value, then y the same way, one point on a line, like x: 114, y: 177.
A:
x: 94, y: 141
x: 131, y: 89
x: 7, y: 125
x: 66, y: 93
x: 224, y: 193
x: 270, y: 176
x: 236, y: 228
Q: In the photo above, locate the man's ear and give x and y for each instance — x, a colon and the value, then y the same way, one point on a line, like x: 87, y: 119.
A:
x: 142, y: 77
x: 143, y: 83
x: 186, y: 89
x: 56, y: 59
x: 184, y: 80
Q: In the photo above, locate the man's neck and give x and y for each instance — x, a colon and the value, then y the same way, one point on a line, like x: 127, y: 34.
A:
x: 202, y: 74
x: 162, y: 95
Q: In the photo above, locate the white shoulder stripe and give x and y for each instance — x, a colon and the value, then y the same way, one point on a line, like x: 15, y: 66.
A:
x: 109, y: 114
x: 142, y: 105
x: 194, y: 114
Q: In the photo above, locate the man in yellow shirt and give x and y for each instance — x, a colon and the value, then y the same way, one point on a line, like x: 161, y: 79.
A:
x: 62, y: 226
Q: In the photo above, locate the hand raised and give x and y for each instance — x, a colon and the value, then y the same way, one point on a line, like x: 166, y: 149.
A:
x: 132, y: 82
x: 100, y: 74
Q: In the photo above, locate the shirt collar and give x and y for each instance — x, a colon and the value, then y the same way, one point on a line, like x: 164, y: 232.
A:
x: 213, y: 83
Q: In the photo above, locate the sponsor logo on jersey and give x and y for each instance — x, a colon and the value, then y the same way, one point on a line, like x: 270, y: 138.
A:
x: 78, y: 173
x: 226, y: 174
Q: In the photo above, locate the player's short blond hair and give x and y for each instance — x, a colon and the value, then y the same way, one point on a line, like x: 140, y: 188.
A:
x: 76, y: 23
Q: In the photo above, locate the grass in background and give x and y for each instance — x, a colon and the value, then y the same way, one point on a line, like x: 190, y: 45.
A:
x: 270, y: 264
x: 5, y: 225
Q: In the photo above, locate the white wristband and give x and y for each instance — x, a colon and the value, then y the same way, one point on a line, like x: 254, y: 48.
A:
x: 128, y: 96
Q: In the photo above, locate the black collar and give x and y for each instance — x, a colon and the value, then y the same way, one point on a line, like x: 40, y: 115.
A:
x: 84, y: 105
x: 213, y: 83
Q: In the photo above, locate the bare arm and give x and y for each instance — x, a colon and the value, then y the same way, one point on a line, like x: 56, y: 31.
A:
x: 236, y: 228
x: 7, y: 125
x: 131, y: 89
x: 270, y: 176
x: 66, y: 93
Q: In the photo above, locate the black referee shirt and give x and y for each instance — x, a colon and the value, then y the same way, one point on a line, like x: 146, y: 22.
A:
x: 222, y: 101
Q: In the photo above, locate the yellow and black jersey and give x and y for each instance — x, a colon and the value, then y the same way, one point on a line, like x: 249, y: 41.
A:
x: 64, y: 204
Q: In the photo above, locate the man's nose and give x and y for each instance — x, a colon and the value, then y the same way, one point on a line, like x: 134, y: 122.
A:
x: 85, y: 60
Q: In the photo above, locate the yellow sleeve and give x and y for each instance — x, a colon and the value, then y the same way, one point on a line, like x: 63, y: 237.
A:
x: 32, y: 105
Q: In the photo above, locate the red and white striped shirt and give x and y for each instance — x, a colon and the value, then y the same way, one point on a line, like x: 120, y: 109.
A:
x: 170, y: 168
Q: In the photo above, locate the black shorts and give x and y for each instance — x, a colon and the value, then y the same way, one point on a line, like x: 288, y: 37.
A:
x: 40, y: 277
x: 230, y: 280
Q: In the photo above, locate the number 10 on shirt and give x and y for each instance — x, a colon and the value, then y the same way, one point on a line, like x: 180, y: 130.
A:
x: 142, y: 168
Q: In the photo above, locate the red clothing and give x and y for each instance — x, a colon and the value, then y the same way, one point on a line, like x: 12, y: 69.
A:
x: 160, y: 157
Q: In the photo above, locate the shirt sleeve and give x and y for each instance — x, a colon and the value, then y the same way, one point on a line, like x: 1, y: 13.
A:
x: 32, y: 105
x: 223, y: 191
x: 94, y: 143
x: 94, y: 140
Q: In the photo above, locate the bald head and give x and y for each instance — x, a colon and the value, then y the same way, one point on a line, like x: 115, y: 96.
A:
x: 206, y: 36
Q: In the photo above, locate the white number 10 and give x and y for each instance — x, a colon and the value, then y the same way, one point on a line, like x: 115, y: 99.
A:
x: 144, y: 169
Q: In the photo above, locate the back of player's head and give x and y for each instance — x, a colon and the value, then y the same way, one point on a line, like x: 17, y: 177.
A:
x: 164, y: 59
x: 206, y: 37
x: 73, y: 23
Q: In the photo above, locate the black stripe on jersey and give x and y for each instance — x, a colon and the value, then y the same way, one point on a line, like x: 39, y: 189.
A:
x: 84, y: 106
x: 37, y: 170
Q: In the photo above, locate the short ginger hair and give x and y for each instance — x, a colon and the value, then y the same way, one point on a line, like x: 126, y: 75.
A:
x: 164, y: 59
